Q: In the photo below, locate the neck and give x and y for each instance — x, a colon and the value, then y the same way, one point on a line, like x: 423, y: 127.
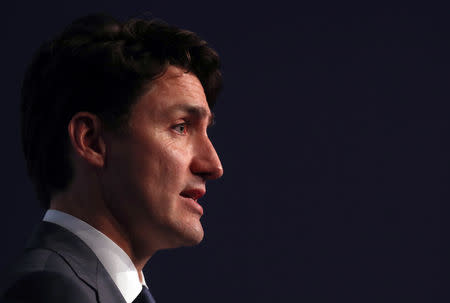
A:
x: 106, y: 223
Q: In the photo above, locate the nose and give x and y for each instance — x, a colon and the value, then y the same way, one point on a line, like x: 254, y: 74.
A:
x: 206, y: 162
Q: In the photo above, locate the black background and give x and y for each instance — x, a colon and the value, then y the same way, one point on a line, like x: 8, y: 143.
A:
x: 333, y: 130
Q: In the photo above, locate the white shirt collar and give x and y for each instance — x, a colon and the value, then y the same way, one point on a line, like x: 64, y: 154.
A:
x: 116, y: 262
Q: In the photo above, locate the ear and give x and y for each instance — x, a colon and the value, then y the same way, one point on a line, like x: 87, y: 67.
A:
x: 86, y: 135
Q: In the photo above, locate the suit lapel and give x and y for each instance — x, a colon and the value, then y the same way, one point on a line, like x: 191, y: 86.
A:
x: 79, y: 257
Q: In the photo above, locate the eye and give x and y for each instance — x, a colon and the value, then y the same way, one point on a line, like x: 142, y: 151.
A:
x: 181, y: 128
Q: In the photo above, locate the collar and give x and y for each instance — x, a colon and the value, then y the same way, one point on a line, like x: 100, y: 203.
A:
x: 116, y: 262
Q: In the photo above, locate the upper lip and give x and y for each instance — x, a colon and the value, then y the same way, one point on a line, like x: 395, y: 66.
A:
x: 193, y: 193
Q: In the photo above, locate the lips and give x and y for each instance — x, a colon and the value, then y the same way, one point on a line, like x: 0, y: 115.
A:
x: 191, y: 196
x: 194, y: 193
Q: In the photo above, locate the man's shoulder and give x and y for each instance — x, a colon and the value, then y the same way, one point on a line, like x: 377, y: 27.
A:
x: 47, y: 286
x: 42, y: 275
x: 57, y: 266
x: 39, y: 260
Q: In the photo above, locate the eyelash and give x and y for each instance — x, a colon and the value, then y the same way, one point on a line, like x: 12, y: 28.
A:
x: 184, y: 124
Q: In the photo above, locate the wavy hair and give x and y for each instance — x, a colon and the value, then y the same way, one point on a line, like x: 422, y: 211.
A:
x: 100, y: 65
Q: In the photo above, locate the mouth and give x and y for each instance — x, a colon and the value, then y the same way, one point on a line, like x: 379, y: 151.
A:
x: 194, y: 194
x: 191, y: 196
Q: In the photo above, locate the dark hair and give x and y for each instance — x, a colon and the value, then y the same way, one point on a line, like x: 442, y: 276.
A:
x: 100, y: 65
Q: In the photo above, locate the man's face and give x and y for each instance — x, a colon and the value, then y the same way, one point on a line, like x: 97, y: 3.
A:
x: 156, y: 171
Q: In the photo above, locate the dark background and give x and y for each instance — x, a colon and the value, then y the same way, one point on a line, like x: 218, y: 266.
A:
x: 333, y: 130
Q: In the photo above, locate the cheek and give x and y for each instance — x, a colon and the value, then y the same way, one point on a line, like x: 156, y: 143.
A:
x: 167, y: 174
x: 160, y: 170
x: 149, y: 167
x: 174, y: 165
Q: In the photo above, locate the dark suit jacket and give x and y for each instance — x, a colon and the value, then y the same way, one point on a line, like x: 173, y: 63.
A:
x: 57, y: 266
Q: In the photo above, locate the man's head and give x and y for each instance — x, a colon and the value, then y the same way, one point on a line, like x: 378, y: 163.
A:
x: 131, y: 102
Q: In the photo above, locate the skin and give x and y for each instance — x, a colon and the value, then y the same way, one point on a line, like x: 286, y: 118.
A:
x: 129, y: 185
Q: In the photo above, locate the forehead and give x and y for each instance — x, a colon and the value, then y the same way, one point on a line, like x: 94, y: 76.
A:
x: 172, y: 92
x: 174, y: 87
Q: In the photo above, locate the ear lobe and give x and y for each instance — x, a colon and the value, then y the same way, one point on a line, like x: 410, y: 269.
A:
x: 86, y: 136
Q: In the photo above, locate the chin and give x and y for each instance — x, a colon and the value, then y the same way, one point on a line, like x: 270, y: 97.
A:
x: 189, y: 235
x: 196, y: 238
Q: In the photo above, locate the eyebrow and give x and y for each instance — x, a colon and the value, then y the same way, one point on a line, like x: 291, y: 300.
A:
x: 197, y: 111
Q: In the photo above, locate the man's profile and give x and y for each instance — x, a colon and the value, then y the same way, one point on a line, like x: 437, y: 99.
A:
x: 114, y: 131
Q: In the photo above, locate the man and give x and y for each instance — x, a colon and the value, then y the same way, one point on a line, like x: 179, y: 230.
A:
x: 114, y: 130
